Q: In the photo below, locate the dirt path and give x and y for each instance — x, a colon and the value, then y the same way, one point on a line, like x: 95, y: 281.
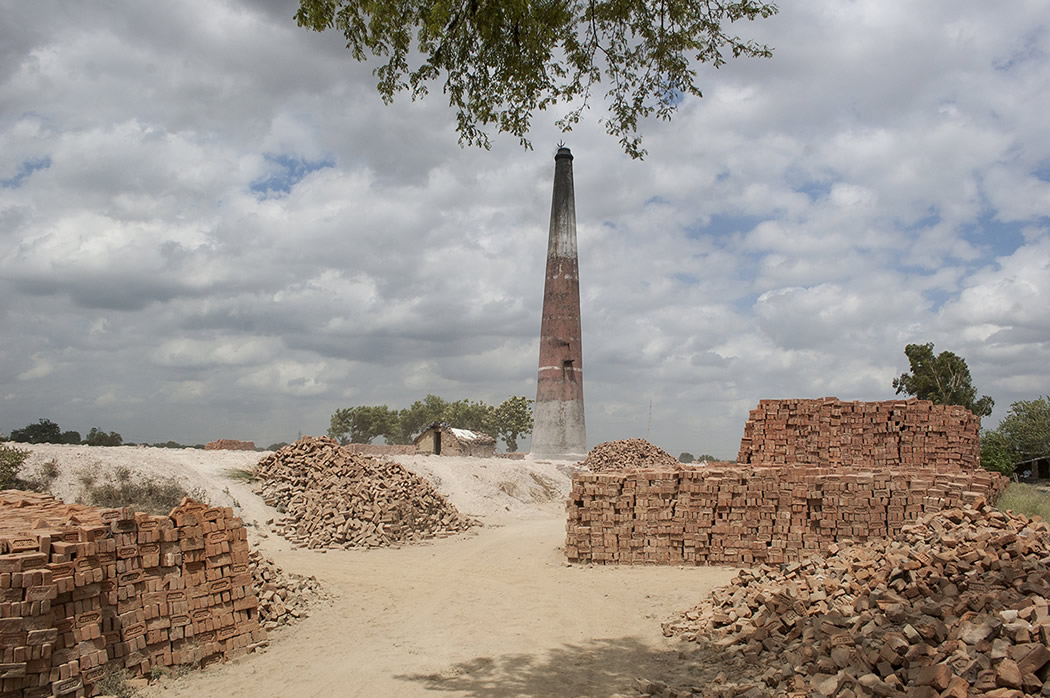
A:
x: 493, y: 612
x: 497, y: 613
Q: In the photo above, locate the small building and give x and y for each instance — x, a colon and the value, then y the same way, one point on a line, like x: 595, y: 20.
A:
x: 1034, y: 468
x: 442, y: 440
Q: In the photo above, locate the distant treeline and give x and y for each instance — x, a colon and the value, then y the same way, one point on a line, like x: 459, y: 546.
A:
x: 47, y: 432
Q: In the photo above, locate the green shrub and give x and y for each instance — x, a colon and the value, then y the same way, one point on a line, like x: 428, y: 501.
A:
x: 11, y: 461
x: 41, y: 481
x: 120, y: 488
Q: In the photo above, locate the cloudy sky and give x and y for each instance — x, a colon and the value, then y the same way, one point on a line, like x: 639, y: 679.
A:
x: 211, y: 226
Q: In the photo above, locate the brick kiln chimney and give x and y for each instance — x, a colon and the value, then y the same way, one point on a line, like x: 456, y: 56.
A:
x: 559, y: 427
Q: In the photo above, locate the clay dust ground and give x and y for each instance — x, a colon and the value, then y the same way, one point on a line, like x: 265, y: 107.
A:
x: 493, y: 612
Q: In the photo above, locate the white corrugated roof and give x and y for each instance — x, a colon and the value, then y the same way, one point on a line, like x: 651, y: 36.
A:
x: 464, y: 434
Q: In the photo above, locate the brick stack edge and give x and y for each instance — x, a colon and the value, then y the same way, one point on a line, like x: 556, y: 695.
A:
x: 83, y: 588
x: 812, y: 473
x: 829, y: 432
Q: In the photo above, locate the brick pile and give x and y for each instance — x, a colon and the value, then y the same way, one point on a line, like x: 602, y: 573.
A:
x: 381, y: 449
x: 829, y: 432
x: 332, y: 498
x: 958, y: 604
x: 229, y: 445
x: 284, y: 597
x: 83, y: 588
x: 744, y: 515
x: 627, y: 454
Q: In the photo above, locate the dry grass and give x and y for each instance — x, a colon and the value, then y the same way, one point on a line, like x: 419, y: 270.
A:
x: 119, y: 488
x: 1025, y: 499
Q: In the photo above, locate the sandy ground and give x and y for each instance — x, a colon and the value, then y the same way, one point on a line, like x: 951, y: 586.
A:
x: 494, y: 612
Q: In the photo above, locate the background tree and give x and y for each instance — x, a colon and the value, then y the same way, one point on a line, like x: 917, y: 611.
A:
x: 509, y: 421
x: 70, y: 437
x: 472, y: 415
x: 943, y: 379
x: 504, y: 60
x: 1024, y: 434
x: 360, y: 425
x: 513, y: 419
x: 1027, y: 428
x: 418, y: 415
x: 97, y: 437
x: 685, y: 457
x: 995, y: 453
x: 43, y: 432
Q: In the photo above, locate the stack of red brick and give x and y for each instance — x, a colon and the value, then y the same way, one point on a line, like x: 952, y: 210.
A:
x: 828, y: 432
x: 82, y: 588
x: 744, y: 515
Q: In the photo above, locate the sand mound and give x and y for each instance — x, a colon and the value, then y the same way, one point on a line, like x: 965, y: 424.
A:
x: 628, y: 454
x: 332, y: 498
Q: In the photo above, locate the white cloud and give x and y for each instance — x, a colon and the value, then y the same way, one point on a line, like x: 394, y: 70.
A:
x: 881, y: 180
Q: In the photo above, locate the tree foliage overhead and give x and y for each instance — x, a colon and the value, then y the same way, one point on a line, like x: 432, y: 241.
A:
x: 943, y: 379
x: 503, y: 60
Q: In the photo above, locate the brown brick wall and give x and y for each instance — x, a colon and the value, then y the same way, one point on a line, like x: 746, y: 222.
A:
x: 83, y: 588
x: 739, y: 515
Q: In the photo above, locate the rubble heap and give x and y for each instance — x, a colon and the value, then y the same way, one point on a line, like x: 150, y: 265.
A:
x: 829, y: 432
x: 83, y: 589
x: 332, y: 498
x: 958, y: 604
x: 284, y: 597
x: 743, y: 515
x: 628, y: 454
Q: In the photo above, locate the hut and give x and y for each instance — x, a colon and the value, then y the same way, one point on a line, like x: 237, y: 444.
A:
x: 442, y: 440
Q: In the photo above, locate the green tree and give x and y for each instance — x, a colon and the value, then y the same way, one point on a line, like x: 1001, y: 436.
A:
x: 1024, y: 433
x: 43, y: 432
x: 97, y: 437
x: 996, y: 454
x: 11, y: 461
x: 685, y: 457
x: 512, y: 419
x: 360, y: 425
x: 416, y: 417
x: 503, y: 60
x: 70, y: 437
x: 943, y: 379
x: 472, y: 415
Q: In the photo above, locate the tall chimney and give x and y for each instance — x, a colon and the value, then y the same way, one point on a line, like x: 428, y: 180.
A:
x: 559, y: 429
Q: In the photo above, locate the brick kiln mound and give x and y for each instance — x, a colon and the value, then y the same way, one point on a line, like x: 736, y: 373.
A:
x: 333, y: 498
x: 958, y: 604
x: 628, y: 454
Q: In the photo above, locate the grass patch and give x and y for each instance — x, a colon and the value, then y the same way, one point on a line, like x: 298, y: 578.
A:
x: 1025, y: 499
x: 121, y: 488
x: 241, y: 474
x: 115, y: 683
